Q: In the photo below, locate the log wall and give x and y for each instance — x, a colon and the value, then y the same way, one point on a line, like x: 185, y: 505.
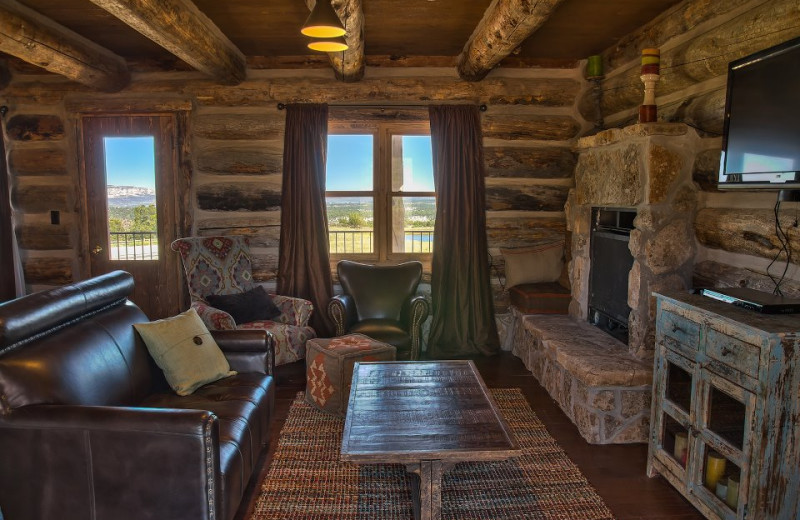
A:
x: 735, y: 231
x: 235, y: 141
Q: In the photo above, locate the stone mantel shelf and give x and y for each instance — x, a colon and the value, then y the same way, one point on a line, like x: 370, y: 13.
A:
x: 617, y: 135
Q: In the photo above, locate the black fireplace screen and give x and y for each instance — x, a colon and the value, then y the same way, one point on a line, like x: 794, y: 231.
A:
x: 611, y: 261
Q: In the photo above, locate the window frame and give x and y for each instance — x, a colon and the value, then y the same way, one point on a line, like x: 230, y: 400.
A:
x: 382, y: 193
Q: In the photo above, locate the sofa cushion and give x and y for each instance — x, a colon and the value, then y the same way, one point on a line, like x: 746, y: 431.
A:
x: 533, y: 264
x: 184, y: 349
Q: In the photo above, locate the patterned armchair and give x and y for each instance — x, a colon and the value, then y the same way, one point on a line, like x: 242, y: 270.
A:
x: 221, y: 266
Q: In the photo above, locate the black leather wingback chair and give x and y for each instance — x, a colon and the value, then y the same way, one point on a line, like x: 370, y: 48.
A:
x: 381, y: 302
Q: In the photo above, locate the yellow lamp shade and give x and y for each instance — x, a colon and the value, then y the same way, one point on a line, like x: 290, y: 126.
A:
x: 329, y: 45
x: 323, y: 22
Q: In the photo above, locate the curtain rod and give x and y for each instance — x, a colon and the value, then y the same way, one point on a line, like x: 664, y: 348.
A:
x: 281, y: 106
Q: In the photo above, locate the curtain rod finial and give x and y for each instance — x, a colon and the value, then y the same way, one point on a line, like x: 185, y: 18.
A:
x: 281, y: 106
x: 483, y: 107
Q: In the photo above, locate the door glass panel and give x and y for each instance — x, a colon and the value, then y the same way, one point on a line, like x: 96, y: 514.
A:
x: 414, y: 218
x: 131, y: 198
x: 722, y: 478
x: 679, y: 386
x: 675, y: 440
x: 350, y: 224
x: 726, y: 417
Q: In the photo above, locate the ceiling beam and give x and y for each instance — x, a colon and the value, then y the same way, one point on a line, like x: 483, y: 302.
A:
x: 348, y: 65
x: 505, y: 25
x: 38, y: 40
x: 181, y: 28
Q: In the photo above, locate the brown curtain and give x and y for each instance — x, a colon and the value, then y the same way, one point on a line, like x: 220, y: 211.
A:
x: 463, y: 311
x: 303, y: 263
x: 10, y: 271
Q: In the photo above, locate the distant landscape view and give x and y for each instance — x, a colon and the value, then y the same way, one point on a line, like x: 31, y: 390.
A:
x: 132, y: 223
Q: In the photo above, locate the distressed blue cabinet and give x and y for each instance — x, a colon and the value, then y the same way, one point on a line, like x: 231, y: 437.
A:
x: 725, y: 428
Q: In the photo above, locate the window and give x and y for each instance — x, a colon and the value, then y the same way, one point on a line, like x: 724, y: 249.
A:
x: 380, y: 194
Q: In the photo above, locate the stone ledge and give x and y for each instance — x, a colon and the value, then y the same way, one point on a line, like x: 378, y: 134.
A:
x: 601, y: 387
x: 616, y: 135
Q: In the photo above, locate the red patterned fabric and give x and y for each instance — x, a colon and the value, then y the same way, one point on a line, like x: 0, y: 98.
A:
x: 329, y: 368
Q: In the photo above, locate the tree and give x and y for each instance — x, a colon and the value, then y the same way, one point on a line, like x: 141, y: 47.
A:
x: 144, y: 218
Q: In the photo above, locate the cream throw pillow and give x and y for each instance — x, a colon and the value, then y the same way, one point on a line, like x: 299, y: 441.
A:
x: 184, y: 349
x: 534, y: 264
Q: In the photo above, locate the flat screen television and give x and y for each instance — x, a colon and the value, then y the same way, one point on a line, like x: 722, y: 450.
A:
x: 761, y: 137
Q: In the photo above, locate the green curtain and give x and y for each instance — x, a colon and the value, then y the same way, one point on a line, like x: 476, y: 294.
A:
x: 463, y: 310
x: 304, y: 257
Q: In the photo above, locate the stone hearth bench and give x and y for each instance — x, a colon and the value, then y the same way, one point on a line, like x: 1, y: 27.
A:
x: 601, y: 387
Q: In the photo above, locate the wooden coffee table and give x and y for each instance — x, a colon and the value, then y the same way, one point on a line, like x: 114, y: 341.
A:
x: 426, y: 415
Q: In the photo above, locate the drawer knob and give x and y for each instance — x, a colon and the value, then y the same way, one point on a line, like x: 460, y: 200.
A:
x: 675, y: 328
x: 725, y: 351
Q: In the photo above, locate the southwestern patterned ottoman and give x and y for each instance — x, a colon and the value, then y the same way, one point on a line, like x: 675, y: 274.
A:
x: 329, y: 368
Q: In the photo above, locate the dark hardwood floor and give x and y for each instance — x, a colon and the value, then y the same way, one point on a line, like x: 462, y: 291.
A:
x: 617, y: 472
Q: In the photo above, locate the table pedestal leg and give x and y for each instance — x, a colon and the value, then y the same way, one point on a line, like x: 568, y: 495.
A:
x: 426, y: 488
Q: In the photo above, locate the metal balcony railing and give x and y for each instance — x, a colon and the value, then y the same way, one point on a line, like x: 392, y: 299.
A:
x: 133, y: 245
x: 342, y: 242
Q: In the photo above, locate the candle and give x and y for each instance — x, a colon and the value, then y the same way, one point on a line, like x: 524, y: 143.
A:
x: 594, y: 66
x: 732, y: 496
x: 680, y: 450
x: 722, y: 489
x: 715, y: 468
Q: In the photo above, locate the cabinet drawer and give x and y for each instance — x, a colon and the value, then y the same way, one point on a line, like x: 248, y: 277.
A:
x: 680, y: 329
x: 733, y: 352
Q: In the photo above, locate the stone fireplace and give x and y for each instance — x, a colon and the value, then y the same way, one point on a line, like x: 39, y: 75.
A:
x: 646, y: 169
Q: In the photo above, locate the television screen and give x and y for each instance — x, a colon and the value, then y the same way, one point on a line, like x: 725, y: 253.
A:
x: 761, y: 142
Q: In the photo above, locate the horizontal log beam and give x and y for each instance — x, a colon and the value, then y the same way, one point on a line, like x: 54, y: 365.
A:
x: 348, y: 66
x: 237, y: 197
x: 748, y: 231
x: 535, y: 127
x: 24, y: 127
x: 38, y: 40
x: 36, y: 198
x: 715, y: 274
x: 44, y: 237
x: 504, y: 26
x: 240, y: 160
x: 47, y: 271
x: 260, y: 236
x: 182, y: 29
x: 529, y: 163
x: 522, y: 232
x: 701, y: 58
x: 37, y: 161
x: 528, y: 198
x: 239, y: 126
x: 704, y: 111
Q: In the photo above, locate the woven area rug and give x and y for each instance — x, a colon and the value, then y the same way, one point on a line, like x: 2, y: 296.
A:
x: 306, y: 480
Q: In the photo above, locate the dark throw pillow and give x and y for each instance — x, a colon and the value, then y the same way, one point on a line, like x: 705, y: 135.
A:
x: 253, y: 305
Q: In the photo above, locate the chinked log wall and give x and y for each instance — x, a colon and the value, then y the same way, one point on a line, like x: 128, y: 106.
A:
x: 698, y: 38
x: 236, y: 141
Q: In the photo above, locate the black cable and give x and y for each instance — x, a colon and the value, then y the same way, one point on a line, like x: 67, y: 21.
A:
x: 786, y: 247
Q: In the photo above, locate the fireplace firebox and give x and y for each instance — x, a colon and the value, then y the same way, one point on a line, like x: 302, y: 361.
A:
x: 611, y: 261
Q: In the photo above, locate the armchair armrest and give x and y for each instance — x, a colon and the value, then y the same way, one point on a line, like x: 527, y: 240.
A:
x: 250, y: 350
x: 214, y: 318
x: 342, y: 311
x: 294, y: 311
x: 110, y: 462
x: 413, y: 314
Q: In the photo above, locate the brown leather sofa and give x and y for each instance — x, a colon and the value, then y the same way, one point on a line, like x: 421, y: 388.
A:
x: 89, y: 428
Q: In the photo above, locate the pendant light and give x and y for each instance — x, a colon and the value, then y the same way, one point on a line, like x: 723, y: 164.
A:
x: 323, y: 22
x: 329, y: 44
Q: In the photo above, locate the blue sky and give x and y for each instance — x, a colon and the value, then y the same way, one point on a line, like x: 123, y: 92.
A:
x: 130, y: 161
x: 350, y: 162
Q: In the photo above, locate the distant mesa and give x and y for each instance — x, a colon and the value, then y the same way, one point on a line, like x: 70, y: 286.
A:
x: 130, y: 196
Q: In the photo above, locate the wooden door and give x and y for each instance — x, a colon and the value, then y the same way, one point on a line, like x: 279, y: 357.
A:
x: 131, y: 208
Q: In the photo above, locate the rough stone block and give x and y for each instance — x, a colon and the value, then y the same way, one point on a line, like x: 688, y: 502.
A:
x: 587, y: 422
x: 664, y: 167
x: 635, y: 402
x: 603, y: 400
x: 637, y: 430
x: 670, y: 248
x: 611, y: 176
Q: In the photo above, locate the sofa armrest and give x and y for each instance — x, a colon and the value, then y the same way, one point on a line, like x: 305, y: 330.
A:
x: 250, y: 350
x: 110, y: 462
x: 213, y: 318
x: 342, y: 311
x: 294, y: 311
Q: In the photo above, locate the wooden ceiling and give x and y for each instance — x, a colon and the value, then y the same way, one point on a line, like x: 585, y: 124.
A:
x: 402, y: 31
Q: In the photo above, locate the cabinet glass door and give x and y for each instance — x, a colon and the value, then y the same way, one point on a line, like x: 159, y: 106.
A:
x: 678, y: 388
